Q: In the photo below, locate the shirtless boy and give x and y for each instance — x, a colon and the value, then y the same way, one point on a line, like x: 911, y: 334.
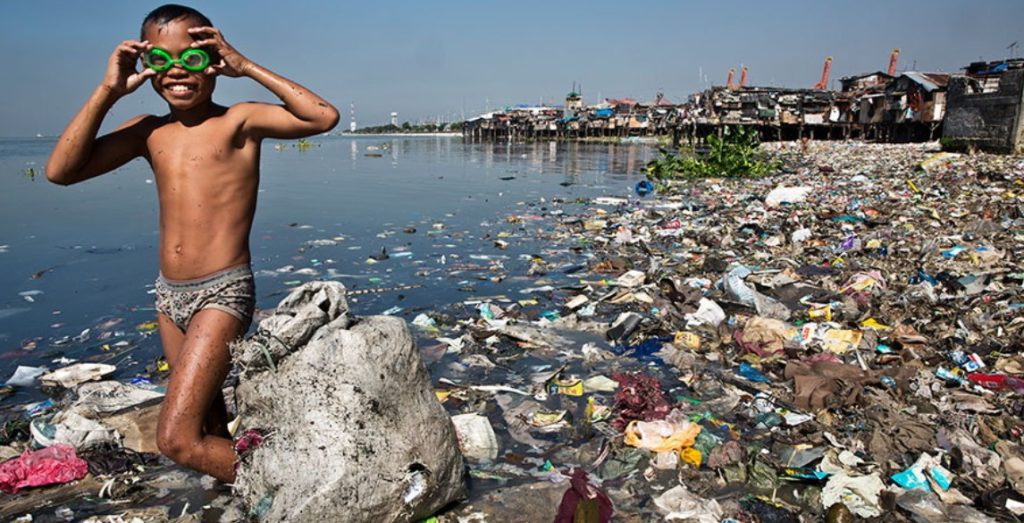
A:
x: 205, y: 158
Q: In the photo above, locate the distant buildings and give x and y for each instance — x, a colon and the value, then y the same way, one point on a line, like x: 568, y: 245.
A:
x: 985, y: 106
x: 980, y: 108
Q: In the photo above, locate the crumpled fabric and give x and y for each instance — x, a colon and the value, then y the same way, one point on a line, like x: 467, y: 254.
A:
x: 828, y: 384
x: 824, y: 384
x: 639, y: 398
x: 56, y: 464
x: 860, y: 494
x: 1013, y: 464
x: 897, y: 434
x: 583, y: 502
x: 726, y: 454
x: 248, y: 440
x: 907, y: 337
x: 986, y: 465
x: 71, y: 428
x: 764, y: 336
x: 516, y: 416
x: 296, y: 319
x: 678, y: 503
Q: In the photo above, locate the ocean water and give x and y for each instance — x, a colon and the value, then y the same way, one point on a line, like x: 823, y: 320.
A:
x: 77, y: 263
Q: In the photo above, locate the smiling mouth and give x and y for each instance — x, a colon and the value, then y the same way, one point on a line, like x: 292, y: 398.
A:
x: 180, y: 89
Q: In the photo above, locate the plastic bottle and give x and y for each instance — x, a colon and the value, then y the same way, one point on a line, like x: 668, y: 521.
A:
x: 997, y: 382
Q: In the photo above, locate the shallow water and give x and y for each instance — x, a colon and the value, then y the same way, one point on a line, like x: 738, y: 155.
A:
x: 85, y: 257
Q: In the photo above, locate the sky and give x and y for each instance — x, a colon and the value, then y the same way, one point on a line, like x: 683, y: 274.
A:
x: 444, y: 59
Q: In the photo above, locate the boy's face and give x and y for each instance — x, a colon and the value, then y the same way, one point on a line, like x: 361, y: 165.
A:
x: 182, y: 89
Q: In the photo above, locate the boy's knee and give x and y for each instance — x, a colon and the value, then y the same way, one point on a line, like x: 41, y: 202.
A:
x: 173, y: 445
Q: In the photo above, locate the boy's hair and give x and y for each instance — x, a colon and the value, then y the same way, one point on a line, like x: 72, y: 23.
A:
x: 167, y: 13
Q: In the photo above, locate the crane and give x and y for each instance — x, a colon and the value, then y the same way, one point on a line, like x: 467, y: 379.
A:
x: 823, y: 84
x: 728, y: 83
x: 743, y: 77
x: 894, y: 59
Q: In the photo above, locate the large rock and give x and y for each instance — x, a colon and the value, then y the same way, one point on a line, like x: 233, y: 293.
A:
x: 354, y: 430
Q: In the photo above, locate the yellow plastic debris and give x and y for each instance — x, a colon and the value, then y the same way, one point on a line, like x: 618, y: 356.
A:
x: 872, y: 323
x: 660, y: 435
x: 149, y: 326
x: 691, y: 456
x: 840, y: 341
x: 688, y: 340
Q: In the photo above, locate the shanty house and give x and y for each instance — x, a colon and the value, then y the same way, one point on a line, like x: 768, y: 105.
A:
x: 984, y: 108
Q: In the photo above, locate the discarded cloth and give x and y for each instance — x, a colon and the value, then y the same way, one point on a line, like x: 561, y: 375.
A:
x: 56, y: 464
x: 639, y: 398
x: 583, y: 502
x: 824, y: 384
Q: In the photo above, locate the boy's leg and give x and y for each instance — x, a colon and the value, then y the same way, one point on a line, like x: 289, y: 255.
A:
x: 172, y: 339
x: 197, y: 375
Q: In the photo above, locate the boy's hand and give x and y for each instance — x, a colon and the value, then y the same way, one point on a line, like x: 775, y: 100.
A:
x: 122, y: 76
x: 232, y: 63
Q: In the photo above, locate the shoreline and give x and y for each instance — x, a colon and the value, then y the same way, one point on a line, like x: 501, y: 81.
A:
x: 677, y: 246
x: 395, y: 135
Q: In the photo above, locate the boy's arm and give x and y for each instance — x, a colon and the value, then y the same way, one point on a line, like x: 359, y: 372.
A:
x: 304, y: 113
x: 78, y: 154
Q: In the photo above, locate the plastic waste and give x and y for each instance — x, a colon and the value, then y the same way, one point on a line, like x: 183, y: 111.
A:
x: 56, y: 464
x: 860, y: 494
x: 25, y: 376
x: 679, y: 504
x: 644, y: 187
x: 73, y: 375
x: 781, y: 194
x: 476, y: 436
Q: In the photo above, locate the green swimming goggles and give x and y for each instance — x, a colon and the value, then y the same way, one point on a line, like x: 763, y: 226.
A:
x: 159, y: 60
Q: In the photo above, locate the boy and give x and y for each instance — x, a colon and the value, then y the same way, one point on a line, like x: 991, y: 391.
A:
x: 205, y: 159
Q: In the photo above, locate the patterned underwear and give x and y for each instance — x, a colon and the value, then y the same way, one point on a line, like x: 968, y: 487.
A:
x: 231, y: 290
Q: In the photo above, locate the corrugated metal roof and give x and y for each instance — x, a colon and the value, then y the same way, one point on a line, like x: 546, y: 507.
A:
x: 930, y: 81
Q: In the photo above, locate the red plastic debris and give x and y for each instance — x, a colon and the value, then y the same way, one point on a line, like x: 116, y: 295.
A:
x: 249, y: 440
x: 56, y: 464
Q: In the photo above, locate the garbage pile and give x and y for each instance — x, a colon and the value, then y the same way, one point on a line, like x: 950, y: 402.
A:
x: 841, y: 341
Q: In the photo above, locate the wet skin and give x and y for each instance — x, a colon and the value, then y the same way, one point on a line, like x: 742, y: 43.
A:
x: 205, y: 158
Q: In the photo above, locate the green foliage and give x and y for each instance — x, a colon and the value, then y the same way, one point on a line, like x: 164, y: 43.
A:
x: 407, y: 128
x: 733, y: 155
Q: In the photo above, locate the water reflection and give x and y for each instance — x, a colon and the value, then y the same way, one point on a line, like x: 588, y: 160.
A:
x: 365, y: 190
x: 570, y: 159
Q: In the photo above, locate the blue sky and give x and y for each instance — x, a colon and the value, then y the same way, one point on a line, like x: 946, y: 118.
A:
x: 428, y: 59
